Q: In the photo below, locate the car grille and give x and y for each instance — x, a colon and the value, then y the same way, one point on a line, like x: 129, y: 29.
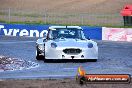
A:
x: 72, y: 51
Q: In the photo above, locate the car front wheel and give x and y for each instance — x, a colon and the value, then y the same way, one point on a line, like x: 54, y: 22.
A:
x: 39, y: 57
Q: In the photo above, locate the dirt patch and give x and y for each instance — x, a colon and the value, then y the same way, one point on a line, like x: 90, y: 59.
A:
x: 55, y: 83
x: 79, y: 6
x: 10, y: 64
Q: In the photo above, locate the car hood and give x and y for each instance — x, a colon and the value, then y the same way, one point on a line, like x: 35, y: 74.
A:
x: 71, y: 43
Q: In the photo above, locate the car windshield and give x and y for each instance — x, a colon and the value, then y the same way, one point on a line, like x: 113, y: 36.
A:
x: 67, y: 33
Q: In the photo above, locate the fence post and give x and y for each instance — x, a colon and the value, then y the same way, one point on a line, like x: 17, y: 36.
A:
x: 71, y: 22
x: 9, y: 15
x: 82, y: 21
x: 45, y: 15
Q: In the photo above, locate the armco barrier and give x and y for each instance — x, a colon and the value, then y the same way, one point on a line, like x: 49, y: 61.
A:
x: 41, y: 30
x: 117, y: 34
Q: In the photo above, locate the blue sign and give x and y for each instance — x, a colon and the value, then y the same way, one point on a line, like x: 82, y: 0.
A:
x: 93, y: 32
x: 41, y: 30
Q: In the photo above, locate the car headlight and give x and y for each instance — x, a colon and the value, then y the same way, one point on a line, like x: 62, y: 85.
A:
x: 90, y: 45
x: 53, y: 45
x: 41, y: 47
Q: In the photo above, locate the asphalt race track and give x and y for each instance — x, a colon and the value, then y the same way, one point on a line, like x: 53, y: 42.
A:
x: 114, y: 58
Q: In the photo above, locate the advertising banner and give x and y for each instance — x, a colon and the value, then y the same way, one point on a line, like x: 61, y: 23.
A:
x: 41, y: 30
x: 117, y: 34
x: 23, y: 30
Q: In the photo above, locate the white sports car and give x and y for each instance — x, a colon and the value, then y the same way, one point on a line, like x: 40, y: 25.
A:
x: 66, y: 42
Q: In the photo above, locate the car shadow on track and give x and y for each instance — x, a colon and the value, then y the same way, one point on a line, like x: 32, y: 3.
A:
x: 69, y: 60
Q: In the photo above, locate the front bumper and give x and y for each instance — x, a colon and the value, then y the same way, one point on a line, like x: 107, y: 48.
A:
x: 57, y: 53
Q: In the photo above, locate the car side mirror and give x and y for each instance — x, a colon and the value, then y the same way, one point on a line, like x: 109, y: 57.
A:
x: 44, y: 39
x: 88, y: 38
